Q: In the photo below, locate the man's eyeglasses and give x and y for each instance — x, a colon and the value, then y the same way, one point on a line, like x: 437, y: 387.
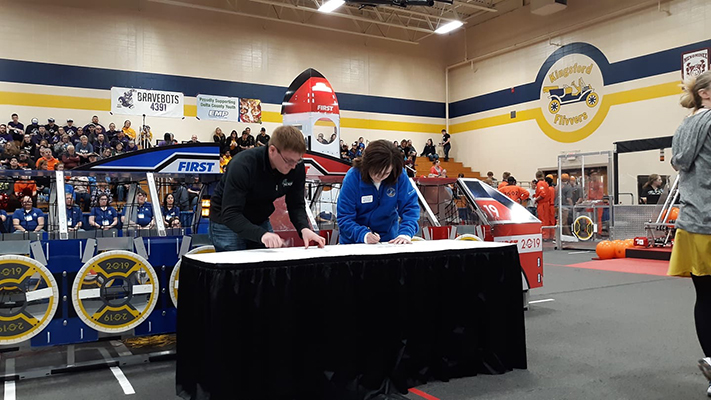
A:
x: 288, y: 162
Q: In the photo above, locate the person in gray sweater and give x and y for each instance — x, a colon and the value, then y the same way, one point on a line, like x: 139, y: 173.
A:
x: 691, y: 149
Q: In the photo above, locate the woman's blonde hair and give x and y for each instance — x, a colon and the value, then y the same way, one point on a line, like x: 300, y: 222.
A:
x: 691, y: 86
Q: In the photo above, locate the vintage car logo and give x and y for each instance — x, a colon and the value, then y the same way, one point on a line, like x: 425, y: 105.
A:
x: 571, y: 94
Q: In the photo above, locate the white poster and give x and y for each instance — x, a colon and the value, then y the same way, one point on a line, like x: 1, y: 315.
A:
x: 218, y: 108
x: 151, y: 103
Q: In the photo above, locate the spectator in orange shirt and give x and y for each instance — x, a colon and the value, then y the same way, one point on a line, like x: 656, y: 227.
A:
x: 595, y: 192
x: 595, y: 187
x: 46, y: 155
x: 436, y: 171
x: 513, y: 191
x: 541, y: 196
x: 551, y: 201
x: 505, y: 180
x: 26, y: 187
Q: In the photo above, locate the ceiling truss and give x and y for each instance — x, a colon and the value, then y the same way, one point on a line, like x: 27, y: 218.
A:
x: 409, y: 24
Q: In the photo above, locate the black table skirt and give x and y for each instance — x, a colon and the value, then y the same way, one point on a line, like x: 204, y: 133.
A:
x: 345, y: 328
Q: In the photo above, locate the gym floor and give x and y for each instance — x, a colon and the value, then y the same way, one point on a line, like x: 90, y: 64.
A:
x: 593, y: 332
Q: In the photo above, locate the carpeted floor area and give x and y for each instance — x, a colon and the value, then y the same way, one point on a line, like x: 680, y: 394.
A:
x: 615, y: 329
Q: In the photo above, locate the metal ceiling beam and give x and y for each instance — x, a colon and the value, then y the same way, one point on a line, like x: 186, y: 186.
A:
x: 243, y: 14
x: 404, y: 10
x: 340, y: 15
x: 476, y: 14
x: 476, y: 6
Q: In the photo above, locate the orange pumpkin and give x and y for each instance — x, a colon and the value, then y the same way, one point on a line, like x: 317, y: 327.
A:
x: 620, y: 248
x: 605, y: 250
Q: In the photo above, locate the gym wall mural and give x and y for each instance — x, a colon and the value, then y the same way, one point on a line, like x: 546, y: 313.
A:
x: 576, y: 87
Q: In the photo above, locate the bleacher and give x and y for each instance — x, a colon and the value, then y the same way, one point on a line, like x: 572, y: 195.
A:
x: 454, y: 168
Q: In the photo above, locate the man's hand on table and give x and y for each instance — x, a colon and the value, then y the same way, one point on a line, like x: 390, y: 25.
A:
x: 272, y: 240
x: 310, y: 236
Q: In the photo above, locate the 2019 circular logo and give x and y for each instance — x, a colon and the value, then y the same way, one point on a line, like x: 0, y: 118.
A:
x: 175, y: 275
x: 115, y: 291
x: 28, y: 298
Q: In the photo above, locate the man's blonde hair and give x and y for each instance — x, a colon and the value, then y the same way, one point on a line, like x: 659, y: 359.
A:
x: 288, y: 138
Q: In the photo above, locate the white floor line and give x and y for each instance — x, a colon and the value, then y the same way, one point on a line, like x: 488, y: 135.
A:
x: 123, y: 381
x: 9, y: 390
x: 10, y: 385
x: 540, y: 301
x: 580, y: 252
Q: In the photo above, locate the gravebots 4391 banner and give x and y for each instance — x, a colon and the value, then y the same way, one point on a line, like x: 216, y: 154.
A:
x: 151, y: 103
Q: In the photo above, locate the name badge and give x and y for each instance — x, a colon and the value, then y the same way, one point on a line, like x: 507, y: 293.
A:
x: 366, y: 199
x: 141, y: 215
x: 69, y: 222
x: 105, y: 222
x: 28, y: 218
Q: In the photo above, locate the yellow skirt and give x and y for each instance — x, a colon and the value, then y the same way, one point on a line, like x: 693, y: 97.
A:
x: 691, y: 254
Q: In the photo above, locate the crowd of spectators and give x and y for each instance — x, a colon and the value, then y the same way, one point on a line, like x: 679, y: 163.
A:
x: 53, y: 147
x: 233, y: 144
x: 24, y: 147
x: 407, y: 149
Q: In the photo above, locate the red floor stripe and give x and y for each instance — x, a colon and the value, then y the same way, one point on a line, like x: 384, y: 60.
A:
x: 556, y: 265
x: 627, y: 265
x: 423, y: 394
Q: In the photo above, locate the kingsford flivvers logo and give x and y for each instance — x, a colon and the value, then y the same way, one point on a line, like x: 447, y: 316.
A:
x: 571, y: 94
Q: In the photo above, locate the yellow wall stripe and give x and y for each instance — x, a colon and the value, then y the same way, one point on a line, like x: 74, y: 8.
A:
x: 646, y: 93
x: 54, y: 101
x: 93, y: 103
x: 357, y: 123
x: 623, y: 97
x: 271, y: 116
x: 489, y: 122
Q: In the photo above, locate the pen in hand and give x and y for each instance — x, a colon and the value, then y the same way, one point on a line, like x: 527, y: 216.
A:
x: 372, y: 237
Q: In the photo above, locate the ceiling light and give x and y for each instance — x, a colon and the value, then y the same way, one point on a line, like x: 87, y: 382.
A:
x: 446, y: 28
x: 330, y: 5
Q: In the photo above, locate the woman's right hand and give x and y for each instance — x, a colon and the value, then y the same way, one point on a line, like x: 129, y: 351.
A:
x: 372, y: 238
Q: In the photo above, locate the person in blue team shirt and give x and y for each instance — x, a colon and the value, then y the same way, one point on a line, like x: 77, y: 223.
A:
x: 74, y: 215
x: 16, y: 128
x: 103, y: 216
x: 5, y: 136
x: 170, y: 209
x: 69, y: 128
x: 377, y: 202
x: 28, y: 218
x: 142, y: 217
x: 3, y: 218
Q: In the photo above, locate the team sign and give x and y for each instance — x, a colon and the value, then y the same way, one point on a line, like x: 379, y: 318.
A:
x: 571, y: 93
x: 151, y: 103
x: 694, y: 63
x: 218, y: 108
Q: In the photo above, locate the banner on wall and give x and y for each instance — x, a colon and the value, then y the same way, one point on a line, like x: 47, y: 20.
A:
x: 250, y: 111
x: 151, y: 103
x: 218, y: 108
x: 694, y: 63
